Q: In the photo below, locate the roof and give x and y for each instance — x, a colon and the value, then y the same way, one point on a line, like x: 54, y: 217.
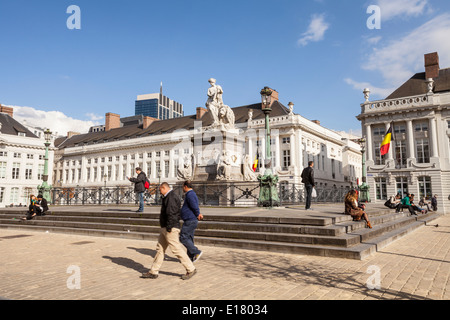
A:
x: 12, y: 127
x: 417, y: 85
x: 166, y: 126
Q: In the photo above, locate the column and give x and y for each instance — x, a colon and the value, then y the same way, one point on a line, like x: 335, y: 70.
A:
x: 410, y: 139
x: 433, y: 139
x: 369, y: 147
x: 293, y: 150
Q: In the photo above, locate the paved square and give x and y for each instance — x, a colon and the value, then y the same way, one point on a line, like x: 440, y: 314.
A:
x: 38, y: 265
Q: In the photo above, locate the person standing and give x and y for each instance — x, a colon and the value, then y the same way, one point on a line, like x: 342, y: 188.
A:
x: 169, y: 236
x: 139, y: 187
x: 190, y: 214
x: 308, y: 181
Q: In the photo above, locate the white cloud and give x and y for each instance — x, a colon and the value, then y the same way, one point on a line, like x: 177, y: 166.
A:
x: 94, y: 117
x: 403, y: 8
x: 56, y: 121
x: 374, y: 91
x: 316, y: 30
x: 402, y: 58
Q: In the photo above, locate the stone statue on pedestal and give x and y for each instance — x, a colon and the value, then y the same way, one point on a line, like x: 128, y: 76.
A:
x: 223, y: 115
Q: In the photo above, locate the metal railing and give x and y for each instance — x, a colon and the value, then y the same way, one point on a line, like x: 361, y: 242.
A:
x: 229, y: 194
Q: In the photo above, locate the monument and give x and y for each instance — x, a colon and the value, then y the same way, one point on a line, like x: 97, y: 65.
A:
x: 219, y: 155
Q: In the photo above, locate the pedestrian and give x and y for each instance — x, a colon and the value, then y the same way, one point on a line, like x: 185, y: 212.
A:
x: 169, y: 236
x: 139, y: 187
x: 308, y: 181
x: 352, y: 208
x: 190, y: 214
x: 434, y: 203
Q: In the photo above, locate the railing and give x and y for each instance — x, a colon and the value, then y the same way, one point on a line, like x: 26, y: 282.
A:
x: 229, y: 194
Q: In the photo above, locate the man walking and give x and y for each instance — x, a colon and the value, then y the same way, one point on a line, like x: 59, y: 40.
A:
x: 190, y: 214
x: 169, y: 236
x: 139, y: 187
x: 308, y: 180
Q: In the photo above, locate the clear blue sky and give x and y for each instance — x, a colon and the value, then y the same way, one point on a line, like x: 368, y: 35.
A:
x: 126, y: 48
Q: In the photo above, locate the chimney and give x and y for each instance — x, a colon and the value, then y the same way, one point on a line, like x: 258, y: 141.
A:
x: 431, y: 65
x: 70, y: 134
x: 316, y: 122
x: 201, y: 112
x: 274, y: 96
x: 112, y: 121
x: 9, y: 111
x: 148, y: 121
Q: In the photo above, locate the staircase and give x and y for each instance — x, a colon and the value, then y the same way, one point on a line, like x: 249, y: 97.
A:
x: 332, y: 236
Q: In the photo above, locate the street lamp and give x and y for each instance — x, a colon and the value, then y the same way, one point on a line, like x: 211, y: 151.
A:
x: 268, y: 193
x: 45, y: 188
x: 364, y: 195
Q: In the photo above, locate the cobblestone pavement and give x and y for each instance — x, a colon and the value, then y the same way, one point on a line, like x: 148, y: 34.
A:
x: 46, y: 266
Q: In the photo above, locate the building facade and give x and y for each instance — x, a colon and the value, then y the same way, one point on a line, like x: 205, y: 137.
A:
x: 22, y: 157
x: 418, y: 161
x: 162, y: 147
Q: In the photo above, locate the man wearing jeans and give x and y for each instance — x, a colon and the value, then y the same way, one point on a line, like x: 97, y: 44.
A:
x: 190, y: 214
x: 308, y: 180
x: 139, y: 187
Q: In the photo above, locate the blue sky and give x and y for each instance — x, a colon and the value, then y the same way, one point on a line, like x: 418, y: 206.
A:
x: 319, y: 54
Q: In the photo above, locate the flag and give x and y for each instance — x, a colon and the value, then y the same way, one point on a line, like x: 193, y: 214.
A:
x: 255, y: 164
x: 386, y: 144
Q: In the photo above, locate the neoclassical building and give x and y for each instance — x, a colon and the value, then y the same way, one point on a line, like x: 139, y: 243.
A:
x: 419, y: 158
x: 164, y: 148
x: 22, y: 158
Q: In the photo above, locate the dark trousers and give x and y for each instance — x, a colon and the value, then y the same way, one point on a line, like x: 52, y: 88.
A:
x: 403, y: 206
x: 187, y: 237
x: 309, y: 189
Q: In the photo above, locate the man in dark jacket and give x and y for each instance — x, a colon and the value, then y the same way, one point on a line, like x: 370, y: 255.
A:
x: 170, y: 235
x: 308, y: 180
x: 139, y: 187
x: 190, y: 214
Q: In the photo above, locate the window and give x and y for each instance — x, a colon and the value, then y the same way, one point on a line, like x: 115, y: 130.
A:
x: 3, y: 154
x: 29, y: 171
x: 402, y: 186
x: 40, y: 172
x: 17, y: 155
x: 380, y: 184
x: 166, y: 169
x: 41, y: 157
x: 400, y: 129
x: 2, y: 192
x: 380, y: 131
x: 15, y: 170
x: 14, y: 198
x: 2, y: 170
x: 422, y: 127
x: 166, y: 153
x: 286, y: 159
x: 333, y: 169
x: 425, y: 187
x: 30, y: 156
x: 158, y: 168
x: 423, y: 151
x: 400, y: 154
x: 158, y: 153
x: 378, y: 158
x: 286, y: 140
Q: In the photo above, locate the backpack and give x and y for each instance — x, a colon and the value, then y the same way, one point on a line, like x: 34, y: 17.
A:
x: 147, y: 184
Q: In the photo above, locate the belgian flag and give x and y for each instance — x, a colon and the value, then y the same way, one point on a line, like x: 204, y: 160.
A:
x: 386, y: 144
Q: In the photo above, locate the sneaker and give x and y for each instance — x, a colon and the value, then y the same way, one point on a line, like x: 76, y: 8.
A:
x: 189, y: 275
x: 149, y: 275
x: 197, y: 256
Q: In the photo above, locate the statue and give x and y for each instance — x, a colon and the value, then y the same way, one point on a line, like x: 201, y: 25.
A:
x: 185, y: 172
x: 224, y: 167
x: 248, y: 173
x: 223, y: 115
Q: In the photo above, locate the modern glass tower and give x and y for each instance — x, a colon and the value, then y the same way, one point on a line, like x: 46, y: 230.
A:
x: 157, y: 105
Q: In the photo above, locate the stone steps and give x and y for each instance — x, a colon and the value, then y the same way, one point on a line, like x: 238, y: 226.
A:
x: 327, y: 235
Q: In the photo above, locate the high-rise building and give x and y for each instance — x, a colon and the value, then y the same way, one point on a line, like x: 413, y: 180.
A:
x: 157, y: 105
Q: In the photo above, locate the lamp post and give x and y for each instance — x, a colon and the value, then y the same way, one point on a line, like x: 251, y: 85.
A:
x: 364, y: 188
x: 45, y: 188
x: 268, y: 194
